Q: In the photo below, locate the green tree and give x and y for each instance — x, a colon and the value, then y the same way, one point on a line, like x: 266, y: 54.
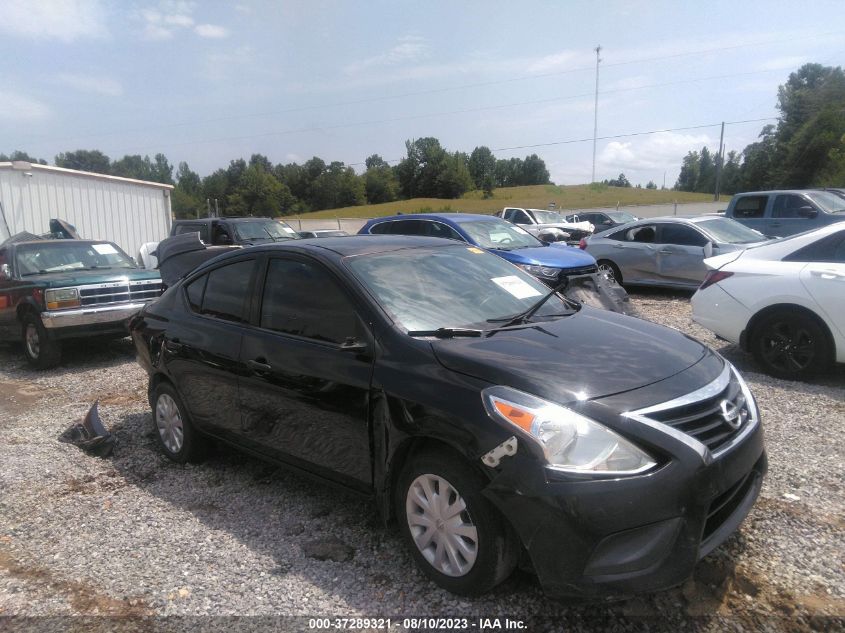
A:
x: 651, y: 185
x: 380, y: 183
x: 85, y: 160
x: 133, y: 166
x: 706, y: 181
x: 21, y: 155
x: 454, y: 178
x: 259, y: 193
x: 534, y: 171
x: 689, y: 173
x: 162, y: 170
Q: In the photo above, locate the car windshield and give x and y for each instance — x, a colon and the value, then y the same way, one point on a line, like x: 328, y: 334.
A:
x: 727, y: 231
x: 499, y: 234
x: 453, y: 286
x: 270, y: 229
x: 827, y: 201
x: 50, y: 257
x: 621, y: 216
x: 547, y: 217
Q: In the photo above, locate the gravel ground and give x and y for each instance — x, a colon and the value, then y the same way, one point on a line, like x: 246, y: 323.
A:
x: 136, y: 535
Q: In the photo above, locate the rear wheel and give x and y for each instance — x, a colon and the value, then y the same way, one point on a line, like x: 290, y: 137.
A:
x: 457, y: 538
x: 611, y: 270
x: 40, y: 350
x: 175, y: 434
x: 790, y: 345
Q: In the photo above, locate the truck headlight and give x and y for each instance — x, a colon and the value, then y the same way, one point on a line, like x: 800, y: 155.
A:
x: 544, y: 272
x: 570, y: 441
x: 59, y: 298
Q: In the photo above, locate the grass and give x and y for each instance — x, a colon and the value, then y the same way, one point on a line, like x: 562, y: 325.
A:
x: 534, y: 196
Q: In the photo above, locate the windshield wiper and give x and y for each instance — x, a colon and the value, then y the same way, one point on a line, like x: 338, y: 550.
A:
x: 447, y: 332
x: 523, y: 316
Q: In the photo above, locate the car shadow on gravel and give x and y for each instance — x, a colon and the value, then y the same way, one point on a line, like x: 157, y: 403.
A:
x: 282, y: 515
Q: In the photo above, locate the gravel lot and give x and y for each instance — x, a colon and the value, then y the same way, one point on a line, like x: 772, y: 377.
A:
x: 135, y: 535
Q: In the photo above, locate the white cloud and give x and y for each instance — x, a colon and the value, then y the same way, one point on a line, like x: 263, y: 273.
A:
x: 64, y: 20
x: 169, y: 17
x: 655, y: 153
x: 409, y: 49
x: 18, y: 107
x: 211, y: 31
x: 88, y: 83
x: 780, y: 63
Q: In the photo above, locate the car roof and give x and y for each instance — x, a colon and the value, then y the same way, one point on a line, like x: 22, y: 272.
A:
x: 446, y: 217
x: 352, y: 245
x: 764, y: 193
x: 59, y: 241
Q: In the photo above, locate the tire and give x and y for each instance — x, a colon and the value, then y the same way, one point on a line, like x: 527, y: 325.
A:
x: 790, y: 345
x: 611, y: 270
x: 174, y: 432
x: 41, y: 351
x: 486, y: 551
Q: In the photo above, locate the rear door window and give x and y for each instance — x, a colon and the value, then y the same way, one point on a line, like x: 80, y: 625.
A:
x: 750, y: 207
x: 382, y: 228
x: 438, y: 229
x: 408, y: 227
x: 828, y: 249
x: 787, y: 206
x: 225, y: 292
x: 646, y: 234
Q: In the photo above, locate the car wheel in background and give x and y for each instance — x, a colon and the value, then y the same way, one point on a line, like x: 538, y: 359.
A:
x: 458, y: 539
x: 175, y: 434
x: 610, y: 269
x: 40, y: 350
x: 790, y: 345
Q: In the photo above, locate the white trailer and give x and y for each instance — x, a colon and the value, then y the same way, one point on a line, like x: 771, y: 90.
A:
x: 121, y: 210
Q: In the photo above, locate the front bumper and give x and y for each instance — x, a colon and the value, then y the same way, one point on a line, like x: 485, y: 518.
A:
x: 106, y: 316
x: 615, y: 537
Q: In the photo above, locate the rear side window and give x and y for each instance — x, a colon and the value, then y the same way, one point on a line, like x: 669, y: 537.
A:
x: 438, y: 229
x: 408, y: 227
x: 223, y: 291
x: 681, y: 235
x: 382, y: 228
x: 828, y: 249
x: 303, y: 299
x: 646, y: 234
x: 750, y: 207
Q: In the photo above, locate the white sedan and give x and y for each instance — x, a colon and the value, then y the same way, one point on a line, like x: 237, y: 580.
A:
x: 783, y: 301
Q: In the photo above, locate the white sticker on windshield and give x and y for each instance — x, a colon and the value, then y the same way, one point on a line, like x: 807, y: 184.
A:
x: 104, y: 249
x: 516, y: 286
x: 288, y: 229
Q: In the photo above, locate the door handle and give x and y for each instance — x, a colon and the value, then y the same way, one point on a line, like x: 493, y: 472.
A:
x: 618, y: 246
x: 258, y: 366
x: 173, y: 345
x: 828, y: 274
x: 665, y: 252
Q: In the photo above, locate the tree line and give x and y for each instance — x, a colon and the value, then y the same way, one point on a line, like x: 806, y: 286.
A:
x: 805, y: 149
x: 258, y: 187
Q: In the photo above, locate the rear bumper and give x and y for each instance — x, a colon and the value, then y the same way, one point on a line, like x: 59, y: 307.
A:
x: 104, y: 317
x: 719, y: 312
x: 614, y: 538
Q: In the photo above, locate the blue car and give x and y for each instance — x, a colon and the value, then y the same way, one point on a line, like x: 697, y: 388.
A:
x: 552, y: 263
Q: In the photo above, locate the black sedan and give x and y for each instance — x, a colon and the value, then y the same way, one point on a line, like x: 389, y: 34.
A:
x: 497, y: 422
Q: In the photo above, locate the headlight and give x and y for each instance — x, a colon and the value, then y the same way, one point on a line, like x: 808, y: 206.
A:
x: 570, y: 441
x: 546, y: 272
x: 61, y: 298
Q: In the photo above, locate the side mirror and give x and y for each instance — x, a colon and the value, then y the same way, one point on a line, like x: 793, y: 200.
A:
x: 807, y: 212
x: 5, y: 272
x: 353, y: 345
x: 608, y: 222
x: 708, y: 249
x: 224, y: 239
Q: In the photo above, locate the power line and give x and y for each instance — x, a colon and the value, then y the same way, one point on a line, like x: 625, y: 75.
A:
x: 439, y: 90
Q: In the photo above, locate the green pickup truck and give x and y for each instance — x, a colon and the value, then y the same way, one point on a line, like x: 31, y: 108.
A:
x: 52, y: 290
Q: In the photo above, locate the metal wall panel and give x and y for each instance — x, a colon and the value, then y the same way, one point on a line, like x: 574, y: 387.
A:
x: 126, y: 213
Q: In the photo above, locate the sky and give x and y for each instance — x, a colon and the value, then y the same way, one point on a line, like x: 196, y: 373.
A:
x: 208, y: 82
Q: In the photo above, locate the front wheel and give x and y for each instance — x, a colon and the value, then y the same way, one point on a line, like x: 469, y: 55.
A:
x: 175, y: 434
x: 455, y: 535
x: 790, y: 345
x: 41, y: 351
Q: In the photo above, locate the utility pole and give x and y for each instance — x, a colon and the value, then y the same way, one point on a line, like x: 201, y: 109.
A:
x: 720, y: 159
x: 596, y: 114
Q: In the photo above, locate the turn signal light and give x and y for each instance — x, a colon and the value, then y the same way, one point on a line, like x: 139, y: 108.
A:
x: 714, y: 277
x: 523, y: 419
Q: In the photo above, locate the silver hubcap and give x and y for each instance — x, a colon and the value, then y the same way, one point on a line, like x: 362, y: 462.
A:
x: 441, y: 526
x: 33, y: 344
x: 169, y: 423
x: 607, y: 271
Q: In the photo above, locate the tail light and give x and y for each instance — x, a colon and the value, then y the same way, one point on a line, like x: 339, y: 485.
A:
x: 583, y: 244
x: 714, y: 277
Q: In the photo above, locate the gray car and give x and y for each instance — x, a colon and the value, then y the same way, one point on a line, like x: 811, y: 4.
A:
x: 667, y: 251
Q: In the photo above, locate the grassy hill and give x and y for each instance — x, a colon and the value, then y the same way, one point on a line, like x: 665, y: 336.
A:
x: 534, y: 196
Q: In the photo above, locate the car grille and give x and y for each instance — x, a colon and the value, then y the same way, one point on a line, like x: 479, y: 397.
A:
x: 119, y: 292
x: 713, y: 416
x: 583, y: 270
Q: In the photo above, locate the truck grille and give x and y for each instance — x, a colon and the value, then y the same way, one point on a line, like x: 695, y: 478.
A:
x: 714, y: 415
x: 120, y: 292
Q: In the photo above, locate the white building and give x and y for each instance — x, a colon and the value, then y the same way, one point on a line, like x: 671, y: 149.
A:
x: 121, y: 210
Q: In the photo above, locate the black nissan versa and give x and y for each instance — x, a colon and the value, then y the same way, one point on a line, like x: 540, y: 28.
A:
x: 498, y: 423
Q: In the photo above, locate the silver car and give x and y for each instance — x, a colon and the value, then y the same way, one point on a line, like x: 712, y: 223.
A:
x: 667, y: 251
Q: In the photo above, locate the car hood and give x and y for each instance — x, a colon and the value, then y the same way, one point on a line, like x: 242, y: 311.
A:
x: 84, y: 277
x: 556, y: 256
x: 591, y: 354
